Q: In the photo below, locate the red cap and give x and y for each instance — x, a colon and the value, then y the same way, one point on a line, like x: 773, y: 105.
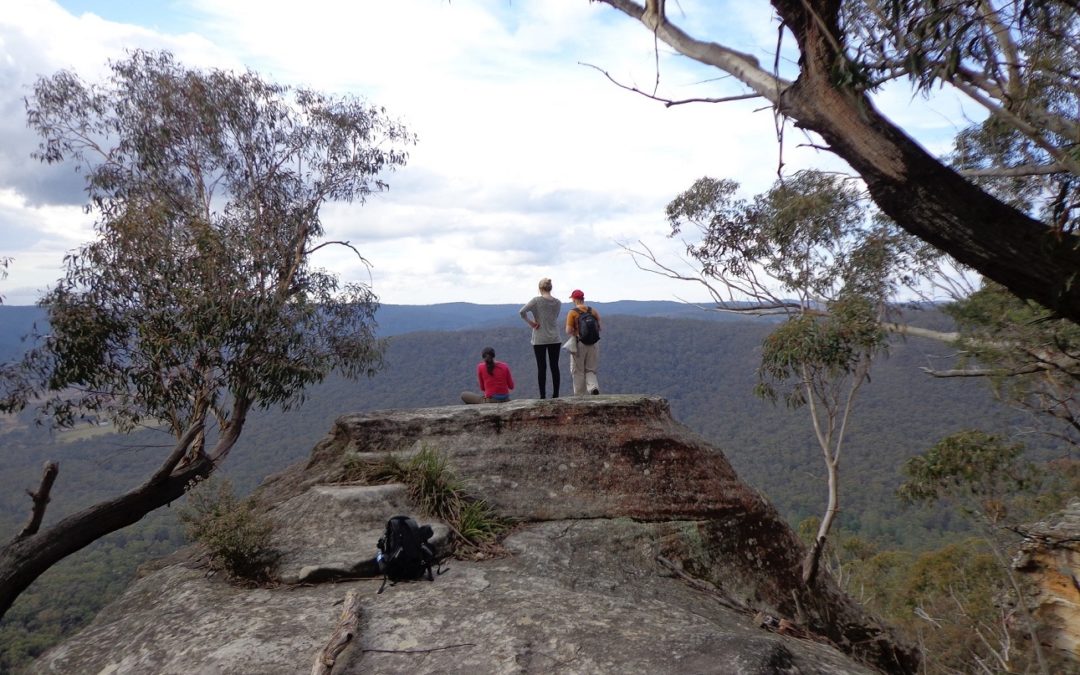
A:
x: 577, y: 294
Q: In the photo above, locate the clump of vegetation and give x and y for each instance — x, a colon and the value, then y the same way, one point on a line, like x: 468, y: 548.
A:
x: 235, y: 533
x: 440, y: 493
x: 478, y: 522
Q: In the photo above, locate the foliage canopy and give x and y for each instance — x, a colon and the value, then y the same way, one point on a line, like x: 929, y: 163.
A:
x: 207, y: 188
x: 198, y: 299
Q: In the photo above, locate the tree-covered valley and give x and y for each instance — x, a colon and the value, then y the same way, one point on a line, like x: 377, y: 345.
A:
x: 704, y: 364
x: 201, y: 333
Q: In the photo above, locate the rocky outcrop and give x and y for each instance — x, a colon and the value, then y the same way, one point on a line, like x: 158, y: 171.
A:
x: 637, y: 550
x: 1050, y: 563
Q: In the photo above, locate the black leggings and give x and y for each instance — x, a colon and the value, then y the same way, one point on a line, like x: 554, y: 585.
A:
x: 545, y: 354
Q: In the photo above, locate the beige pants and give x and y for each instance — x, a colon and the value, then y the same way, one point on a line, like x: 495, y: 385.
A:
x: 583, y: 367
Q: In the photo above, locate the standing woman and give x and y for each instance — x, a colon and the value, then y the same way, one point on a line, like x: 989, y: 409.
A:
x: 494, y: 379
x: 545, y: 335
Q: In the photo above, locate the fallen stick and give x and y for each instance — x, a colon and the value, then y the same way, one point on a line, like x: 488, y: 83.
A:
x: 348, y: 624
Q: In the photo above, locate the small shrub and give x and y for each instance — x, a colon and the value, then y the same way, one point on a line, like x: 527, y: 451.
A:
x: 235, y: 534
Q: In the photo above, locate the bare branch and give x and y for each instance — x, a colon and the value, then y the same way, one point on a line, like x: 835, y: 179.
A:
x: 347, y: 627
x: 983, y: 372
x: 340, y: 243
x: 1020, y: 125
x: 667, y: 101
x: 744, y: 67
x: 915, y: 331
x: 704, y: 586
x: 40, y: 498
x: 760, y: 296
x: 1012, y: 171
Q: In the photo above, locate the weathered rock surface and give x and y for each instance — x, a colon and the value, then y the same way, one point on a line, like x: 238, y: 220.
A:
x: 1050, y: 561
x: 602, y: 487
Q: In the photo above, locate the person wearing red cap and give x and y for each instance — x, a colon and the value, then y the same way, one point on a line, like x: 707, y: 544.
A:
x: 584, y: 361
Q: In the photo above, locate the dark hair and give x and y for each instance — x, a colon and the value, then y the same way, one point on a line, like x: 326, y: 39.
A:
x: 489, y: 358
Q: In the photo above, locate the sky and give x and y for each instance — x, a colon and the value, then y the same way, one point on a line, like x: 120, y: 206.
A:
x: 529, y: 163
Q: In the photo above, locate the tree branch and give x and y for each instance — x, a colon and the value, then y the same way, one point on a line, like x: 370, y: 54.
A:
x: 744, y: 67
x: 348, y: 625
x: 419, y: 651
x: 984, y: 372
x: 1013, y: 171
x: 915, y: 331
x: 40, y: 500
x: 1021, y: 125
x: 179, y: 452
x: 922, y: 195
x: 667, y: 101
x: 231, y: 432
x: 340, y: 243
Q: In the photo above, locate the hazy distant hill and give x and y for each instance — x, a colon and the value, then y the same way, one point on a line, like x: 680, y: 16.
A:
x: 17, y: 321
x: 399, y: 319
x: 704, y: 365
x: 706, y: 370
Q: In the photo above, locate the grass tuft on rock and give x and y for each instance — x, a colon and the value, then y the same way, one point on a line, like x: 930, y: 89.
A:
x: 440, y: 493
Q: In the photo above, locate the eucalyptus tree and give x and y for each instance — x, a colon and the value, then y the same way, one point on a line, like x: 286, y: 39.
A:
x: 985, y: 478
x: 1029, y: 354
x: 1030, y: 357
x: 197, y: 300
x: 809, y: 249
x: 1019, y: 60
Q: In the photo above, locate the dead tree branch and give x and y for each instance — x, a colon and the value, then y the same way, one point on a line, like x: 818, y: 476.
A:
x: 1023, y: 170
x: 983, y: 372
x: 668, y: 102
x: 40, y: 499
x: 346, y: 630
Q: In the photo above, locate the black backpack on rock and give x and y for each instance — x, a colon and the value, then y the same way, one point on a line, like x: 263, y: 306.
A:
x: 588, y: 328
x: 404, y: 552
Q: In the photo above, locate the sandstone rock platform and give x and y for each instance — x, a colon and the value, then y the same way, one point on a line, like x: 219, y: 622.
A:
x: 637, y: 550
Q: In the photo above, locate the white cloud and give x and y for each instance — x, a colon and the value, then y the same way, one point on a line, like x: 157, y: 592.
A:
x: 529, y: 164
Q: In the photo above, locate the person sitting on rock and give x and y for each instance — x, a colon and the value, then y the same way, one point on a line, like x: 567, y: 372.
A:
x: 495, y: 380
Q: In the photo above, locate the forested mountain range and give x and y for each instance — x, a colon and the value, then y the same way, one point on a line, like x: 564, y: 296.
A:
x: 703, y: 366
x: 19, y: 321
x: 703, y: 363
